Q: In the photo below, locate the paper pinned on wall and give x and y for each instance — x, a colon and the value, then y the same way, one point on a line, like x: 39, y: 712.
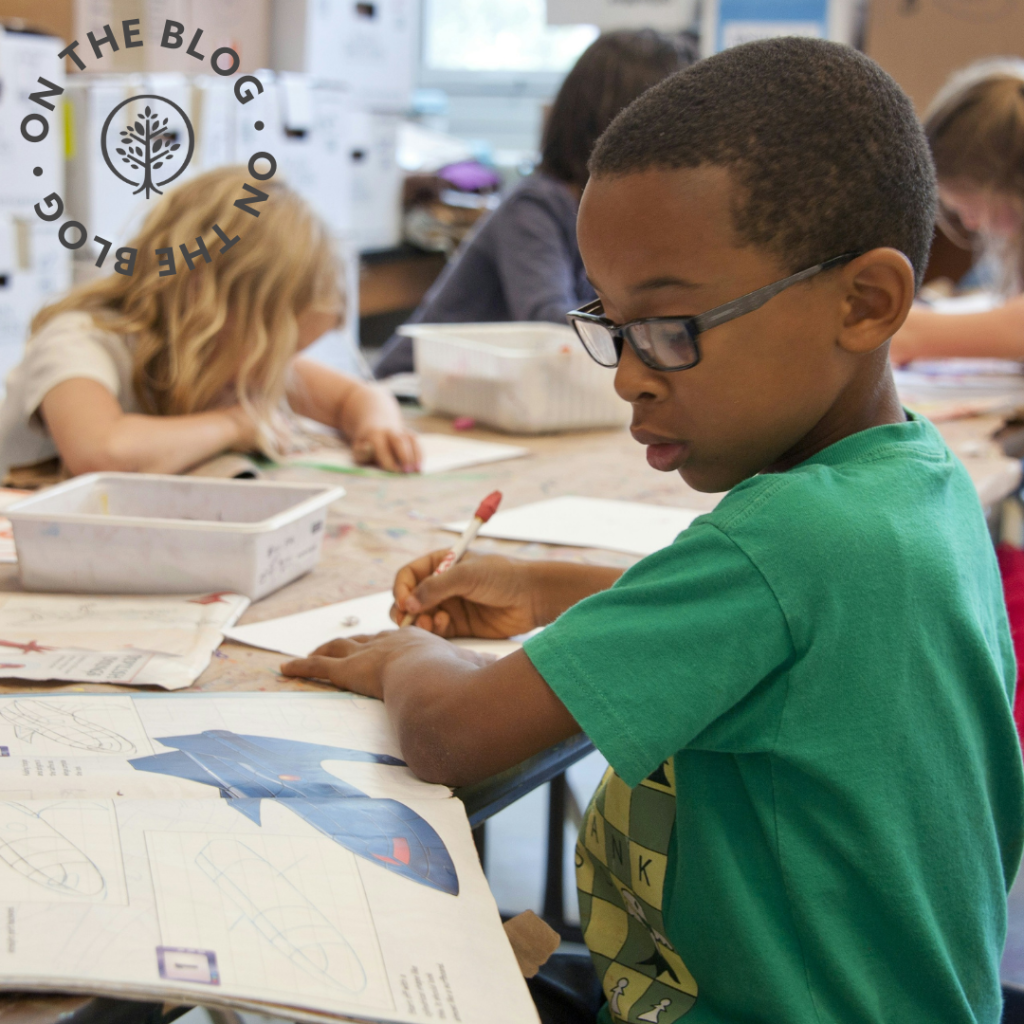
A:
x: 442, y: 453
x: 627, y: 526
x: 300, y: 634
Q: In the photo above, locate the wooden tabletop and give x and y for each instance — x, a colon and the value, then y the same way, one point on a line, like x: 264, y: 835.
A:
x: 385, y: 520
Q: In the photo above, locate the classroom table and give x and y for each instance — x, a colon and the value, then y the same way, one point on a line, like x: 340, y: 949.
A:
x: 383, y: 521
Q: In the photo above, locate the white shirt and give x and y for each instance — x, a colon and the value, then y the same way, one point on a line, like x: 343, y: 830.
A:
x: 70, y: 345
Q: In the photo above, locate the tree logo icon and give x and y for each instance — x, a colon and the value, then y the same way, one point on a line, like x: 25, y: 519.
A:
x: 143, y: 142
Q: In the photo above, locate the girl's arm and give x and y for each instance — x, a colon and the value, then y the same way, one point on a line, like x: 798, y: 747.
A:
x: 996, y: 334
x: 367, y: 416
x: 93, y: 433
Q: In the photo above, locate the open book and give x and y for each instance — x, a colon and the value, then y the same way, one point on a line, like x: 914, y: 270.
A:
x: 263, y: 851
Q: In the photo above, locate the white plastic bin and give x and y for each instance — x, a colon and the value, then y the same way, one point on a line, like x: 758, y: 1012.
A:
x: 139, y: 533
x: 523, y: 378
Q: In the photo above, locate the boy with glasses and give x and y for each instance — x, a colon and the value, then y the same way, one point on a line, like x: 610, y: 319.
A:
x: 815, y: 803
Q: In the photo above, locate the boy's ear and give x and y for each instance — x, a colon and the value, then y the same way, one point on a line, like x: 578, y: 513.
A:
x: 878, y: 292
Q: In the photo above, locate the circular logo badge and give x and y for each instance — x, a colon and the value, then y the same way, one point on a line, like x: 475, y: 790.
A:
x: 143, y: 142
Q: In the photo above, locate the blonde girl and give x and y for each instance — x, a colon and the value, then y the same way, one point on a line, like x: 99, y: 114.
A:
x: 158, y: 372
x: 976, y: 130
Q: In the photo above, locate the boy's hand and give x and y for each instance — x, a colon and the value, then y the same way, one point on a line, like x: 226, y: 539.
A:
x: 357, y: 664
x: 485, y: 596
x: 391, y: 447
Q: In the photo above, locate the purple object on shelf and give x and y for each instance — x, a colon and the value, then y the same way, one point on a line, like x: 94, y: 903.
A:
x: 470, y: 176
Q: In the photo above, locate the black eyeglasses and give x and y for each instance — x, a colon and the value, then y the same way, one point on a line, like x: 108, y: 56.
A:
x: 669, y: 343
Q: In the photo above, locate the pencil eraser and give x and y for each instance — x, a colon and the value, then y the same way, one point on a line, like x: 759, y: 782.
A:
x: 488, y: 506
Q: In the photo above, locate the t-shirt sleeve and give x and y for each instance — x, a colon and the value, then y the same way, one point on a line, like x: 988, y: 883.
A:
x: 67, y: 347
x: 680, y: 641
x: 535, y: 263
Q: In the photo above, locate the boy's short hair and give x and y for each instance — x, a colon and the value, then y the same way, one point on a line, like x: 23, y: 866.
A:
x: 824, y: 144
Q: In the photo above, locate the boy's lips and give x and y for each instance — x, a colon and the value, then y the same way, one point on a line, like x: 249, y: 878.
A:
x: 663, y: 453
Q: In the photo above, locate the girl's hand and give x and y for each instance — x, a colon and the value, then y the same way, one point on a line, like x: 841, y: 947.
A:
x: 484, y: 595
x: 247, y: 434
x: 390, y: 446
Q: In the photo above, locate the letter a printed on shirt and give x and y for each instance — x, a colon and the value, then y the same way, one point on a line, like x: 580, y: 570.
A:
x: 621, y: 856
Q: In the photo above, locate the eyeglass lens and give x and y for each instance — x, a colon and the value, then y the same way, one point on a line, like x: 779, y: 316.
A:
x: 668, y: 344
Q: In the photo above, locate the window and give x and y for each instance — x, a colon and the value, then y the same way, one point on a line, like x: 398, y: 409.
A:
x: 499, y: 38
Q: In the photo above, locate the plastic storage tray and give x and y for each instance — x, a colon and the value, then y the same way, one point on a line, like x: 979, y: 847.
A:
x: 135, y: 533
x: 523, y: 378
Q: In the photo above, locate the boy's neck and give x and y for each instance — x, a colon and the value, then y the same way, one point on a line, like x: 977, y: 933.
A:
x: 870, y: 400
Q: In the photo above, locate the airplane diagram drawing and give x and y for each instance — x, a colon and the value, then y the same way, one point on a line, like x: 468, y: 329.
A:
x: 248, y: 769
x: 64, y: 726
x: 281, y: 914
x: 45, y: 856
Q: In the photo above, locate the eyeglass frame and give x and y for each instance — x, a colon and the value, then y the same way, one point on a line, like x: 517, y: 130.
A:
x: 695, y: 325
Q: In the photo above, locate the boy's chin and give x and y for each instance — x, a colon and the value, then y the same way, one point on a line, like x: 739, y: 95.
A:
x: 710, y: 479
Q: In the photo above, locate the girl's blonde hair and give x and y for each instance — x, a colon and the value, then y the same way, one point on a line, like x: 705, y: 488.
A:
x: 975, y: 126
x: 226, y: 330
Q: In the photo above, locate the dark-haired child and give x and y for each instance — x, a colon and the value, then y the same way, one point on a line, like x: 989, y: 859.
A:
x: 815, y: 803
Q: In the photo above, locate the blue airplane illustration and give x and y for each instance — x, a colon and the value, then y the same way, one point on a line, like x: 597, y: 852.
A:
x: 248, y: 769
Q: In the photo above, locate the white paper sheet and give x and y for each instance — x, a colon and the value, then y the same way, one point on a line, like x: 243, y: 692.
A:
x: 268, y: 851
x: 178, y: 633
x: 66, y: 665
x: 627, y: 526
x: 300, y: 634
x: 8, y: 496
x: 442, y: 453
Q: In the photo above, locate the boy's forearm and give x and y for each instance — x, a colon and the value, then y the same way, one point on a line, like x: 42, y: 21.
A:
x: 557, y: 586
x: 458, y: 723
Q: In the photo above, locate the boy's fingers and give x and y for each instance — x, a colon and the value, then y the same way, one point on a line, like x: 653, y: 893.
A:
x: 429, y: 593
x: 410, y: 576
x: 314, y: 667
x: 336, y: 648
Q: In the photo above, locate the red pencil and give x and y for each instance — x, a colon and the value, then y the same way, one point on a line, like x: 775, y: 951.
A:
x: 487, y: 509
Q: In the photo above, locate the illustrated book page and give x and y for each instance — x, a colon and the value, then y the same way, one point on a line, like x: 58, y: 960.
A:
x: 263, y: 851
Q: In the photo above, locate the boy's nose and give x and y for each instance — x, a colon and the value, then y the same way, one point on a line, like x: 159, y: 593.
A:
x: 635, y: 382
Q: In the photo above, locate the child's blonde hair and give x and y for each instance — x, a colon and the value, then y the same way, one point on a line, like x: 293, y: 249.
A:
x: 975, y: 126
x: 226, y: 330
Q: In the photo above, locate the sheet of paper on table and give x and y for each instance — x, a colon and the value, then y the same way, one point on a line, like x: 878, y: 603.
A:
x: 266, y: 851
x: 628, y: 526
x: 178, y: 634
x: 8, y: 496
x: 300, y: 634
x: 442, y: 453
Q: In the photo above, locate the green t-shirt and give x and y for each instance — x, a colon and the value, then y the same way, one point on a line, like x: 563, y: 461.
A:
x: 816, y: 681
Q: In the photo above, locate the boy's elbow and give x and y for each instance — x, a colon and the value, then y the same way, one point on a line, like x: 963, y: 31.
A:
x: 434, y: 748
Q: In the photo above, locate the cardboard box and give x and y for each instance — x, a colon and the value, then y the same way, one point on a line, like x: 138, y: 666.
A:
x: 376, y: 181
x: 242, y: 25
x: 24, y: 58
x: 52, y: 17
x: 35, y: 269
x: 369, y: 47
x: 306, y: 127
x: 922, y: 43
